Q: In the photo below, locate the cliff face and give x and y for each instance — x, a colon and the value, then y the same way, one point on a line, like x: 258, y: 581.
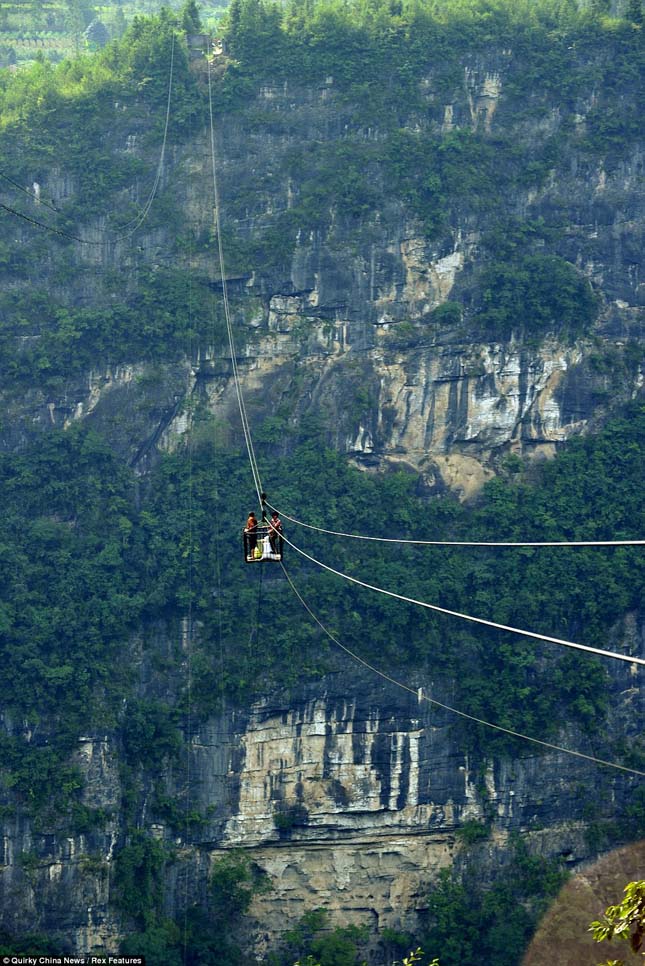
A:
x: 349, y: 794
x: 353, y: 305
x: 349, y: 798
x: 338, y: 315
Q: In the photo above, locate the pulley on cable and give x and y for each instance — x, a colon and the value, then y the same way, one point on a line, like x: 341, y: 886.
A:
x: 263, y: 542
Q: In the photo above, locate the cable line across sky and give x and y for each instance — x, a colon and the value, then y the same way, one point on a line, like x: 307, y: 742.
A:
x: 131, y: 226
x: 421, y: 696
x: 246, y: 428
x: 600, y: 652
x: 462, y: 543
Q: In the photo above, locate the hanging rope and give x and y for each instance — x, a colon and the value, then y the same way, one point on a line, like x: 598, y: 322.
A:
x: 138, y: 220
x: 227, y: 313
x: 470, y: 717
x: 464, y: 543
x: 30, y: 194
x: 40, y: 224
x: 135, y: 222
x: 189, y: 640
x: 466, y: 617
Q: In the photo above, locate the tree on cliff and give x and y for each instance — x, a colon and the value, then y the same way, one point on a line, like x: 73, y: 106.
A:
x: 624, y: 921
x: 189, y: 17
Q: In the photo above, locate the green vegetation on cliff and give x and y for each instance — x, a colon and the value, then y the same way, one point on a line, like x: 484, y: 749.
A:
x: 85, y: 567
x: 97, y: 562
x: 90, y: 130
x: 470, y: 924
x: 59, y: 126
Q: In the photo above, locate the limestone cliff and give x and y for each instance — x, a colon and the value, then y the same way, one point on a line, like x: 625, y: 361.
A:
x: 349, y: 798
x: 351, y: 303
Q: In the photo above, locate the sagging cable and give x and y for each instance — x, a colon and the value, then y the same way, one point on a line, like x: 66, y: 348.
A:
x: 420, y: 694
x: 467, y: 617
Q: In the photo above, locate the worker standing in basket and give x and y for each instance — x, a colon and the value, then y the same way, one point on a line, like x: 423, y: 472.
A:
x: 251, y: 536
x: 275, y: 533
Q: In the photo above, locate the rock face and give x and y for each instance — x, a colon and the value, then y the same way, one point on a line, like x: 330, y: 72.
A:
x: 350, y: 301
x: 353, y: 304
x: 349, y: 799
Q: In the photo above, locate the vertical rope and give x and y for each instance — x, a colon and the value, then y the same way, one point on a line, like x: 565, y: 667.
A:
x: 131, y: 226
x: 190, y: 562
x: 139, y: 219
x: 216, y: 529
x: 227, y: 313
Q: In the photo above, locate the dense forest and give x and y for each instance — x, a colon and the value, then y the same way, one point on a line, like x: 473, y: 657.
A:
x: 100, y: 558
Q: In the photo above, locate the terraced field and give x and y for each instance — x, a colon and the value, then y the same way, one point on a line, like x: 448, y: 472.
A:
x: 36, y: 28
